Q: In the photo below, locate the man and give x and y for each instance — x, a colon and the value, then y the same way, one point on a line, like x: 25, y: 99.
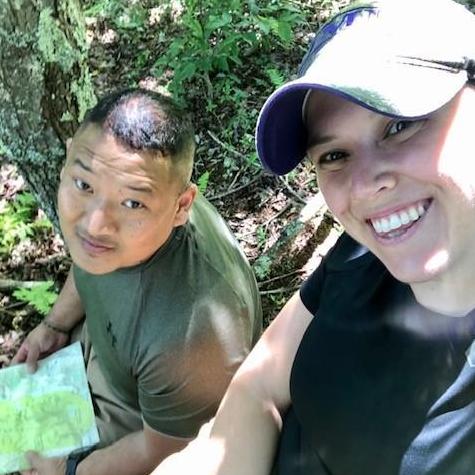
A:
x: 171, y: 306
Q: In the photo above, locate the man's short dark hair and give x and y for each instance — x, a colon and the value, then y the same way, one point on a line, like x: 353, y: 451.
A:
x: 147, y: 121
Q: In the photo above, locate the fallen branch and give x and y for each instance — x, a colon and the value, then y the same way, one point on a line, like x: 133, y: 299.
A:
x: 279, y: 277
x: 292, y: 191
x: 280, y: 291
x: 7, y: 285
x: 297, y: 240
x: 235, y: 190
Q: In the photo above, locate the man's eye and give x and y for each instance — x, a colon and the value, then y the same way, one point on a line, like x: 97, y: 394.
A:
x: 81, y: 185
x: 132, y: 204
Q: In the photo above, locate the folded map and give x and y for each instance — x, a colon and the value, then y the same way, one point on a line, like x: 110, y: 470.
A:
x: 49, y: 411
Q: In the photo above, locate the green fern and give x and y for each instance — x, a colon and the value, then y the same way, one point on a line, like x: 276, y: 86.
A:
x: 40, y: 297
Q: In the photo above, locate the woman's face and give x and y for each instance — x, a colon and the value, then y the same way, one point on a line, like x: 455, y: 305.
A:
x: 403, y: 188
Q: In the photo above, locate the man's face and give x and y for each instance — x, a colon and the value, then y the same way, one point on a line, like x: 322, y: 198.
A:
x: 116, y: 207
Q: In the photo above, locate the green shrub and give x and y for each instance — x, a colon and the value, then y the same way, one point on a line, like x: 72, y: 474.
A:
x: 217, y: 36
x: 17, y: 221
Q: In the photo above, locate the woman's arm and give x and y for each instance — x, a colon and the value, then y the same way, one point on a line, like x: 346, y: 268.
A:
x: 244, y: 435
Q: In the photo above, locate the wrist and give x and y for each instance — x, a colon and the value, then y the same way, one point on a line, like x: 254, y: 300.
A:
x: 58, y: 328
x: 74, y: 459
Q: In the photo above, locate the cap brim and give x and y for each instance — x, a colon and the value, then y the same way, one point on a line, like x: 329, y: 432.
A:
x: 281, y: 137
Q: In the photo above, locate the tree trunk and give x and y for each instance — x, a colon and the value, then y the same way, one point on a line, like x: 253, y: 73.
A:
x: 45, y: 89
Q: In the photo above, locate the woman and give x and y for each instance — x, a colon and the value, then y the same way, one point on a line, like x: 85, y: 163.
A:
x: 368, y: 369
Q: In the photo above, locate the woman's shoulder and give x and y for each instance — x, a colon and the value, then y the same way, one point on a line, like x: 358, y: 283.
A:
x: 349, y: 254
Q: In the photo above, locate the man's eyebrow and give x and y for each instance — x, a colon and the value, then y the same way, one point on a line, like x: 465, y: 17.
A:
x: 82, y: 165
x: 140, y: 189
x: 317, y: 140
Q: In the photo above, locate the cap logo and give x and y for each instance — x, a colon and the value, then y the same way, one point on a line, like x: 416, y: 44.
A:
x: 467, y: 65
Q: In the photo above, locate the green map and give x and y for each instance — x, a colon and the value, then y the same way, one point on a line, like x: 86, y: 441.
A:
x: 49, y: 411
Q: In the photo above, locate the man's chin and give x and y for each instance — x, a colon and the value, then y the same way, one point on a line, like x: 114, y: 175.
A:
x: 93, y: 265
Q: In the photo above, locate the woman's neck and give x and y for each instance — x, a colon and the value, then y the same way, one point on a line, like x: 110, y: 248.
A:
x: 449, y: 296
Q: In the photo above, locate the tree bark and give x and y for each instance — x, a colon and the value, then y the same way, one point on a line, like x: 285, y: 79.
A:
x: 45, y: 89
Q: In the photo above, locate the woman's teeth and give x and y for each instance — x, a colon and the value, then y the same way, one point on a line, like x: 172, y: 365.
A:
x: 397, y: 220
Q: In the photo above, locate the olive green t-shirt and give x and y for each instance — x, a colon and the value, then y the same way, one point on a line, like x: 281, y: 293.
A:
x: 169, y: 333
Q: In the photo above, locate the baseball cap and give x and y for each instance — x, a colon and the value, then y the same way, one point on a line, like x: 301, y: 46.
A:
x: 401, y: 58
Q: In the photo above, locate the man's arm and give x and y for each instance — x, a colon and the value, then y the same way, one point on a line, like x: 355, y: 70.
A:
x: 52, y: 334
x: 135, y: 454
x: 244, y: 436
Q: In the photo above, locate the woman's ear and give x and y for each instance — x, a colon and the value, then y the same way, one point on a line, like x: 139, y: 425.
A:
x: 185, y: 200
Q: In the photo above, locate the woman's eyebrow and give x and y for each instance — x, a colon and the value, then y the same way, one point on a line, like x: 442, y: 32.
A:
x: 316, y: 140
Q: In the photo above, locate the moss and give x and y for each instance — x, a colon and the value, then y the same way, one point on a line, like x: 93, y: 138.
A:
x: 4, y: 151
x: 72, y: 10
x: 83, y: 91
x: 53, y: 44
x: 55, y: 47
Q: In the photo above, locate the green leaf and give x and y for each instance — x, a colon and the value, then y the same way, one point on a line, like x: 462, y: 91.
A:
x: 284, y: 32
x: 216, y: 22
x: 186, y: 72
x: 203, y: 182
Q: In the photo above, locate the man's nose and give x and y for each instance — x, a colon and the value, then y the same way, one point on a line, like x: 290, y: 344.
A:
x: 372, y: 174
x: 100, y: 218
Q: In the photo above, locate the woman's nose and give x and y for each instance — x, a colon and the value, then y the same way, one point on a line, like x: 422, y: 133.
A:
x: 371, y: 174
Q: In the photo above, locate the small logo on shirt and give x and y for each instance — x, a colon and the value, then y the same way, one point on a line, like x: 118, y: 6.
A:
x: 470, y: 354
x: 111, y: 334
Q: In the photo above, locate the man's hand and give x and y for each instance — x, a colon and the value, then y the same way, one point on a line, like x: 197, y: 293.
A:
x: 45, y: 466
x: 66, y: 313
x: 40, y: 342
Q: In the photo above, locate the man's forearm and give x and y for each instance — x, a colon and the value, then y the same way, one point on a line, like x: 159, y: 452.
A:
x: 134, y: 454
x: 67, y: 311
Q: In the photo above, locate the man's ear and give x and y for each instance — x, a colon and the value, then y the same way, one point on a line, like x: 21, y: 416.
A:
x: 185, y: 200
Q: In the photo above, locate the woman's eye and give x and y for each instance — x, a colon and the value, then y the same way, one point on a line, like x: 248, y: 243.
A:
x: 397, y: 126
x: 132, y: 204
x: 81, y: 185
x: 333, y: 159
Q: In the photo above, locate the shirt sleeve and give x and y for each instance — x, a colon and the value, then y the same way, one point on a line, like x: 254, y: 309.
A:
x: 347, y: 255
x: 181, y: 388
x: 311, y: 289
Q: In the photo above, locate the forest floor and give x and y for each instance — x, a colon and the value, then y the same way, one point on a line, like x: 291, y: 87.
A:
x: 281, y: 223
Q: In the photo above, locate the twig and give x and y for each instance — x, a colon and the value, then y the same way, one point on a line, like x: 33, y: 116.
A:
x: 235, y: 179
x: 281, y: 212
x: 227, y: 146
x: 266, y: 223
x: 14, y: 305
x: 58, y: 256
x: 291, y: 191
x: 279, y: 291
x: 279, y: 277
x: 235, y: 190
